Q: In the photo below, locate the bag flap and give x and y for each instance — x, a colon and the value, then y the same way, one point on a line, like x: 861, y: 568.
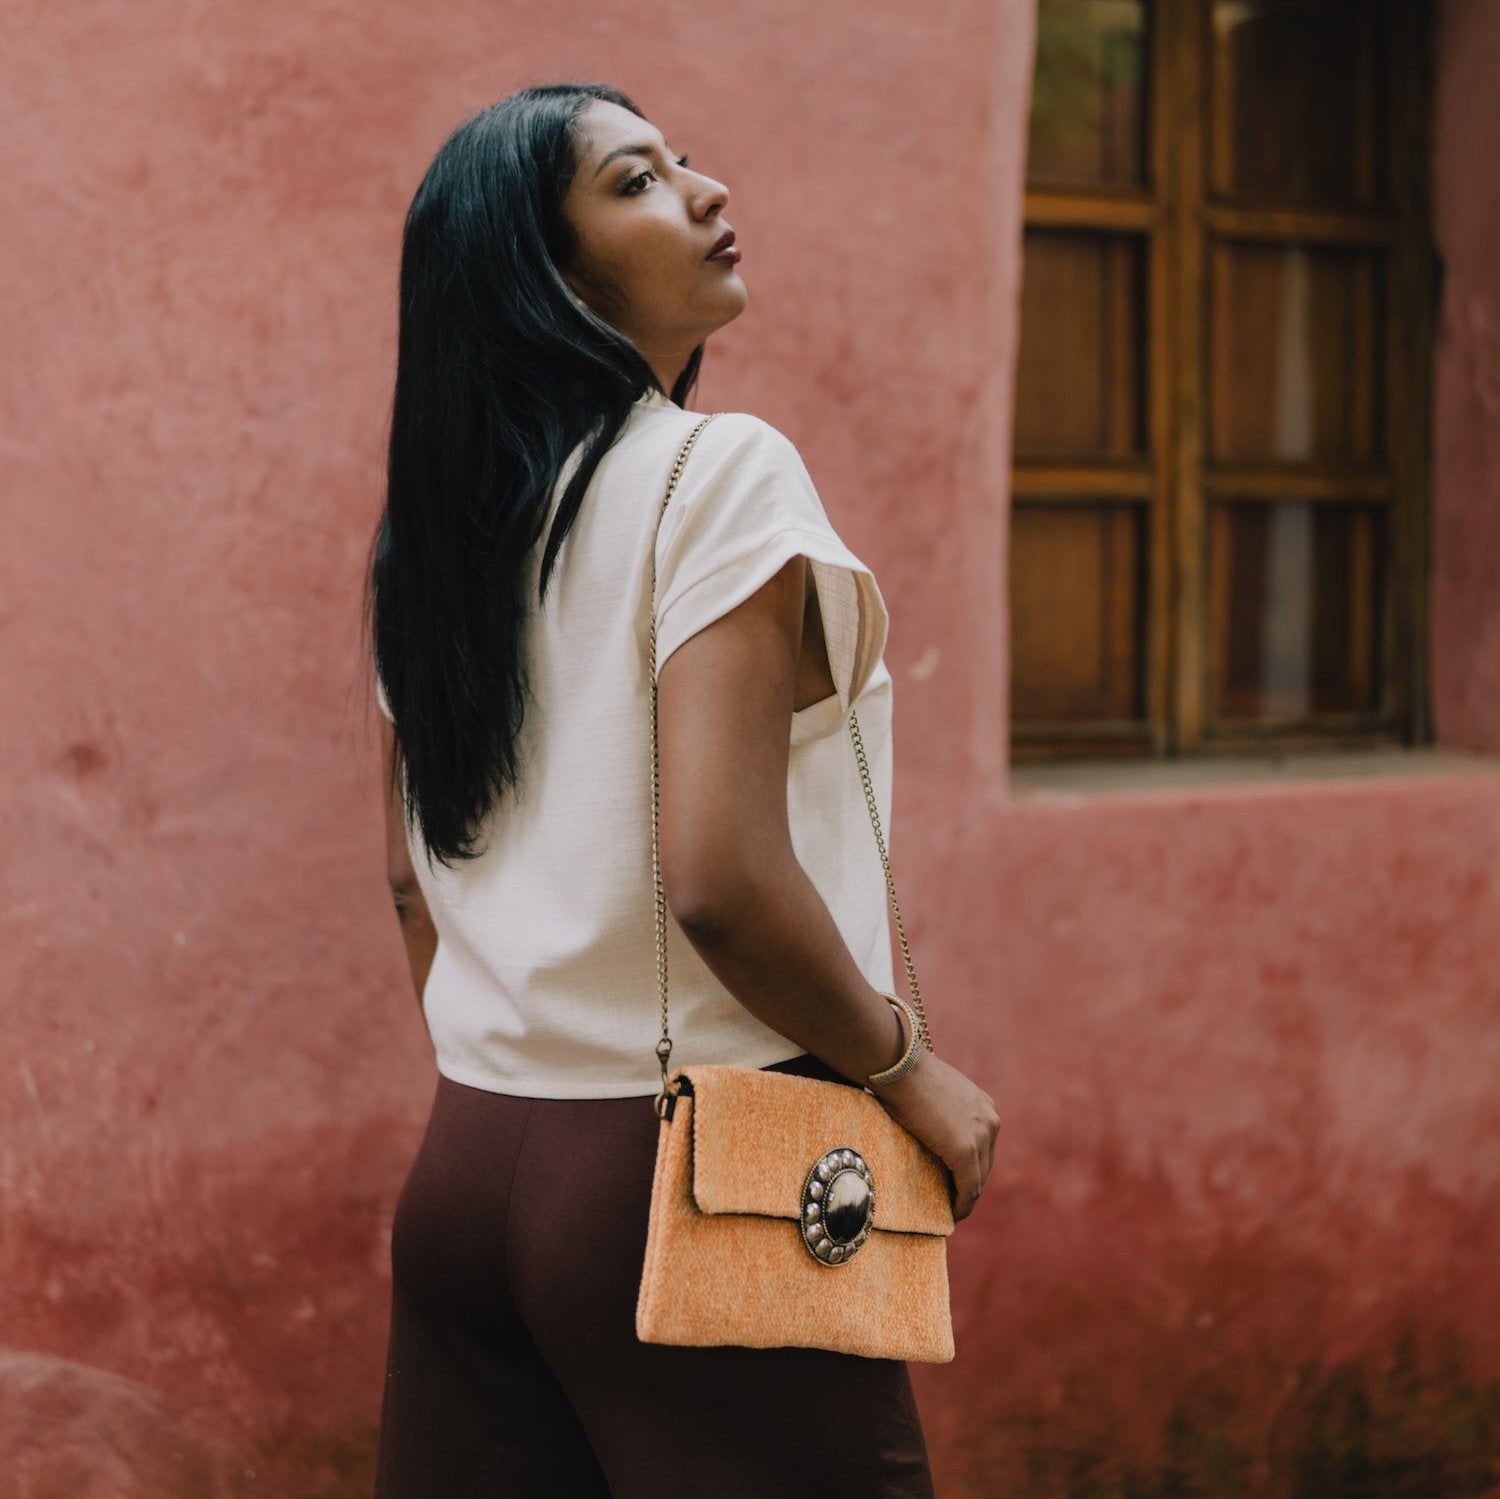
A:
x: 756, y: 1135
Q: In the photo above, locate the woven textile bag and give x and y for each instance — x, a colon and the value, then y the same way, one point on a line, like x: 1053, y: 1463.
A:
x: 788, y: 1211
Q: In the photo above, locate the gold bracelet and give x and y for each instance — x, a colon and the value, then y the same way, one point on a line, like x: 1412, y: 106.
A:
x: 913, y: 1051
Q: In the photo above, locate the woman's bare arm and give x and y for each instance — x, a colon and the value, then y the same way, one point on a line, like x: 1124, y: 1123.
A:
x: 417, y: 930
x: 735, y: 886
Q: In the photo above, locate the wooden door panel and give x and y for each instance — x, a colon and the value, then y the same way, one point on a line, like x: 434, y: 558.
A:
x: 1076, y: 589
x: 1296, y: 365
x: 1088, y: 122
x: 1296, y: 103
x: 1297, y: 608
x: 1080, y: 391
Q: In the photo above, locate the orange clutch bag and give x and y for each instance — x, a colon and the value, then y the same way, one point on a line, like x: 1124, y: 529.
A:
x: 788, y: 1211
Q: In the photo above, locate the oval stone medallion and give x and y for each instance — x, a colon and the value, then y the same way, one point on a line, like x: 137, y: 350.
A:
x: 838, y: 1206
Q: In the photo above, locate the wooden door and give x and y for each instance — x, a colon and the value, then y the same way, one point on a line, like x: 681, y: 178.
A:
x: 1218, y: 525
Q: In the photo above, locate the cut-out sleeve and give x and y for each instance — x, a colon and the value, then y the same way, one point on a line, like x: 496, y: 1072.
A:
x: 744, y: 507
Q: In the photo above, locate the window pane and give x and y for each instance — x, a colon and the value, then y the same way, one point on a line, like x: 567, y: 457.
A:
x: 1296, y: 365
x: 1296, y: 609
x: 1080, y: 379
x: 1295, y: 99
x: 1087, y: 100
x: 1077, y: 594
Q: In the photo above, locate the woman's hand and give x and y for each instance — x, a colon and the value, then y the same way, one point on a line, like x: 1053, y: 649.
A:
x: 953, y: 1117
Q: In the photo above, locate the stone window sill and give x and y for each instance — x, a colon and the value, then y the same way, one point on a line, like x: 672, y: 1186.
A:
x: 1076, y: 778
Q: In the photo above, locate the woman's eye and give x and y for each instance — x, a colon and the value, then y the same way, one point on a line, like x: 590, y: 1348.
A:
x: 637, y: 183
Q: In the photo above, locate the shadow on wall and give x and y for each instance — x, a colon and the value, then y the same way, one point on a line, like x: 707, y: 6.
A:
x: 1393, y: 1425
x: 70, y: 1431
x: 1121, y: 1348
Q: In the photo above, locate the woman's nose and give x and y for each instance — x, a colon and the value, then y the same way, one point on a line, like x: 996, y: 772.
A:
x: 712, y: 196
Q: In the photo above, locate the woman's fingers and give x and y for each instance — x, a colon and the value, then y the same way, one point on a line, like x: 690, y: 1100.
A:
x: 968, y: 1181
x: 993, y: 1135
x: 955, y: 1119
x: 983, y: 1164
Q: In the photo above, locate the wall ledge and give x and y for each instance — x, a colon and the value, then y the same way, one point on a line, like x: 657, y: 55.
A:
x: 1074, y: 778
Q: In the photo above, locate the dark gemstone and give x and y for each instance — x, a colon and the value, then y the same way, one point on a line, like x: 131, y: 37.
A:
x: 846, y: 1207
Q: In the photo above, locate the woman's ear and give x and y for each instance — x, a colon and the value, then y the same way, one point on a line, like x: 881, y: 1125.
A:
x: 578, y: 289
x: 592, y: 293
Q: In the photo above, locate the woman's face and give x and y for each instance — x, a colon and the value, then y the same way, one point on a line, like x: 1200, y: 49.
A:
x: 645, y: 224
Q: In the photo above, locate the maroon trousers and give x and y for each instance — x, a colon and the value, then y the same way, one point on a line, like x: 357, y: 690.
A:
x: 513, y: 1365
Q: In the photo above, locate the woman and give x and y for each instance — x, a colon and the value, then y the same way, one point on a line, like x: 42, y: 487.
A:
x: 561, y: 271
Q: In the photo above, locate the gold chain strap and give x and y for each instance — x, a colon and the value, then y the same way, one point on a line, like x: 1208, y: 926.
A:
x: 664, y: 1045
x: 890, y: 883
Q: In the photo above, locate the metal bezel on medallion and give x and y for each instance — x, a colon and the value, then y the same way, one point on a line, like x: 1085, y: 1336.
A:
x: 835, y: 1230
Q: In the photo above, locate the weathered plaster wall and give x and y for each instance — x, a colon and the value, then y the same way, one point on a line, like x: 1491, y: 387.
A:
x: 1466, y: 418
x: 1242, y: 1229
x: 1248, y: 1200
x: 1244, y: 1040
x: 215, y: 1077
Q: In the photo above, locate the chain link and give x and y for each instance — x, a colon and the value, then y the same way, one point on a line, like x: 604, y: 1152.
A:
x: 664, y: 1045
x: 890, y: 883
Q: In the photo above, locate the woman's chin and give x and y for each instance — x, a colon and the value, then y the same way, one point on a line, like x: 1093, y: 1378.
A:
x: 736, y: 295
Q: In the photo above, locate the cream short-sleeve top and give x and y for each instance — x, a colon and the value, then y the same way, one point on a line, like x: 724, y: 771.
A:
x: 544, y: 983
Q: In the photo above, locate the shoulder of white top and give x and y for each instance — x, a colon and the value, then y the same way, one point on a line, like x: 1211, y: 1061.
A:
x: 739, y: 430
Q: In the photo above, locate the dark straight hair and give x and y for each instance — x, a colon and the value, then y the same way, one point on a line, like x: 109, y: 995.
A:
x: 501, y: 372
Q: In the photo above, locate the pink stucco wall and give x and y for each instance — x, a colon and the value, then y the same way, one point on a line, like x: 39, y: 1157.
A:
x: 1244, y: 1040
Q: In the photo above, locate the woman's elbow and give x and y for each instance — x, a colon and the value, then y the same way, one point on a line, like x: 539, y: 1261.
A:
x: 713, y: 894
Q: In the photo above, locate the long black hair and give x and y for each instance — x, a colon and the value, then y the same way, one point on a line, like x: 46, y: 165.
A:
x: 501, y: 372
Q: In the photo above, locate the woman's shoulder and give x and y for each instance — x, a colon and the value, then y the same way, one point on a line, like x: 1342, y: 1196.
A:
x: 735, y: 433
x: 744, y: 464
x: 740, y: 450
x: 740, y: 471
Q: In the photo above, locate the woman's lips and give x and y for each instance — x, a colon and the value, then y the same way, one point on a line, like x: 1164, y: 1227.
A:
x: 724, y: 251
